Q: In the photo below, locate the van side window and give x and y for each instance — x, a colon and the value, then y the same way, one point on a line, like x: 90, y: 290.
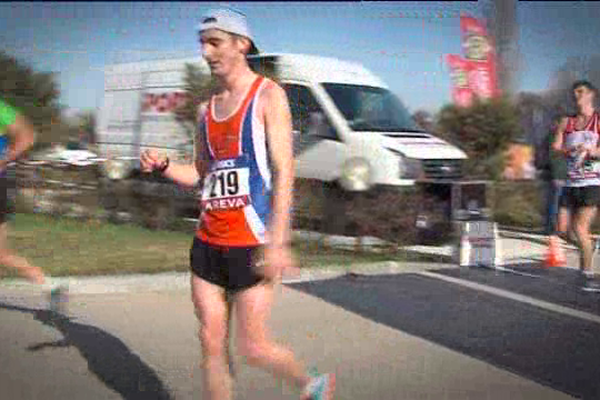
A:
x: 305, y: 110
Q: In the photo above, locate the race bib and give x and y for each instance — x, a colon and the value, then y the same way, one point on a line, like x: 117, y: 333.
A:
x: 578, y: 169
x: 592, y: 168
x: 587, y: 170
x: 226, y: 189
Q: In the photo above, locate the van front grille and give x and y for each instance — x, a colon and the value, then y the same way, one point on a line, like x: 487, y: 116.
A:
x: 443, y: 169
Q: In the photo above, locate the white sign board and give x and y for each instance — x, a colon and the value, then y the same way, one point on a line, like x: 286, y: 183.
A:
x: 479, y: 244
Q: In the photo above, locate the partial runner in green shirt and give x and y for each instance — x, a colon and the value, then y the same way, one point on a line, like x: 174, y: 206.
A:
x: 17, y: 135
x: 8, y: 116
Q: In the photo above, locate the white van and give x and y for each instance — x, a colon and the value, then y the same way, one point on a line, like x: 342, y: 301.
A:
x: 349, y: 127
x: 350, y: 130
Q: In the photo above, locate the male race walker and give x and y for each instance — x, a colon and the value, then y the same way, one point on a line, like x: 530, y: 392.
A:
x: 242, y: 245
x: 578, y: 139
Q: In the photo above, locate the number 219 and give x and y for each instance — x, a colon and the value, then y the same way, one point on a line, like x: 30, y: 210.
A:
x: 228, y: 184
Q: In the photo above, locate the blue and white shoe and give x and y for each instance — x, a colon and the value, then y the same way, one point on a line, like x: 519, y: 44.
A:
x: 59, y: 298
x: 321, y: 387
x: 592, y: 285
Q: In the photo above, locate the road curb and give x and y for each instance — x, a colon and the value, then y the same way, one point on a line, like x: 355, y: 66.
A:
x: 533, y: 238
x: 173, y: 281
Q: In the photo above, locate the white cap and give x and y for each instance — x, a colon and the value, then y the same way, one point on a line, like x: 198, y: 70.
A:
x: 228, y: 20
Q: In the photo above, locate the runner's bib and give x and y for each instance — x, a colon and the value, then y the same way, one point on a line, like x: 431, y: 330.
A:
x: 582, y: 172
x: 226, y: 189
x: 589, y: 169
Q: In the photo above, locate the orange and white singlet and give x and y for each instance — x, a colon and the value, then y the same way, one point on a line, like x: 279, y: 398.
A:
x: 586, y: 173
x: 236, y: 196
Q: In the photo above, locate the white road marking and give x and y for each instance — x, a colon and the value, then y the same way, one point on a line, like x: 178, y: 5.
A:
x: 517, y: 297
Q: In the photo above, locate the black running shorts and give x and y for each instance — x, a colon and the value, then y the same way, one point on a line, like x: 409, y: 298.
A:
x: 578, y: 197
x: 232, y: 268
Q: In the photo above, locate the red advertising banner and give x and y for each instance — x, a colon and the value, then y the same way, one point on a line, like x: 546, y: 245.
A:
x: 475, y: 74
x: 462, y: 93
x: 480, y: 80
x: 480, y: 53
x: 474, y: 37
x: 160, y: 103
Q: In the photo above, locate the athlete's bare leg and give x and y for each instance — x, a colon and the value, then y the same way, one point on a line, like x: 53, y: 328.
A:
x: 563, y: 228
x: 582, y: 221
x: 211, y: 309
x: 229, y: 300
x: 9, y: 259
x: 253, y: 308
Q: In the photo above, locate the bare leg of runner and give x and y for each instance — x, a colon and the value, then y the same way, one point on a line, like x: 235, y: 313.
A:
x: 211, y: 309
x: 562, y: 228
x: 229, y: 299
x: 559, y: 231
x: 253, y: 308
x: 583, y: 220
x: 9, y: 259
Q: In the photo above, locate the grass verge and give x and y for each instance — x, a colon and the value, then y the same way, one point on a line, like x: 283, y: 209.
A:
x: 69, y: 247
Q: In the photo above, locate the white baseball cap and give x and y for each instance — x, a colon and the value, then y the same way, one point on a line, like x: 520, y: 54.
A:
x: 228, y: 20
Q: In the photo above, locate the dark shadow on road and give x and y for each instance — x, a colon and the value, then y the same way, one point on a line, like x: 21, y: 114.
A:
x: 107, y: 356
x: 553, y: 349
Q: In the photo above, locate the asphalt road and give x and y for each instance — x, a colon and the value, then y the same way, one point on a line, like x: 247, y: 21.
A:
x: 448, y: 333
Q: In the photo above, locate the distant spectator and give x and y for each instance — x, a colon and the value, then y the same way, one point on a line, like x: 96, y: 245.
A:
x: 553, y: 169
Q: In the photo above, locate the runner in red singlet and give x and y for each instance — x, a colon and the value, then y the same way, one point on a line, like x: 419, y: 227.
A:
x: 577, y: 139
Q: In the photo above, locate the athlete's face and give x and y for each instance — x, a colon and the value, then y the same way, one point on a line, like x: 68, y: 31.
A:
x: 221, y: 51
x: 583, y: 96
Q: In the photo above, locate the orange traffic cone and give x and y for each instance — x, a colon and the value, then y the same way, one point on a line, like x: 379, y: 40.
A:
x: 555, y: 256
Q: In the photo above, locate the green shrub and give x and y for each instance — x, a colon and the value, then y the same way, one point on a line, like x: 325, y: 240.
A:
x: 518, y: 203
x: 483, y: 131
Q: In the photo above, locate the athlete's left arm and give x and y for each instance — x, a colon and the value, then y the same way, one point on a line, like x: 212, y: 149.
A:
x: 278, y: 129
x: 595, y: 152
x: 22, y: 137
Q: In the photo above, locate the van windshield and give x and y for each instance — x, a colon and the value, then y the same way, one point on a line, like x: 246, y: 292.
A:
x: 368, y: 108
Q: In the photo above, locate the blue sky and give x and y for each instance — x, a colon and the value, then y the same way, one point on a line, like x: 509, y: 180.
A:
x: 402, y: 42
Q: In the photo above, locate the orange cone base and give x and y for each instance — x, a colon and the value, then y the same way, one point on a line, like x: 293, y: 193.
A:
x: 554, y: 256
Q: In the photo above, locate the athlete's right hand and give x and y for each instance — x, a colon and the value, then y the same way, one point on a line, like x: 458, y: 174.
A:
x: 151, y: 160
x: 278, y: 263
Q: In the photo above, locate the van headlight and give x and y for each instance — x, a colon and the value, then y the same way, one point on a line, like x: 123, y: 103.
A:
x: 116, y: 169
x: 356, y: 175
x: 411, y: 168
